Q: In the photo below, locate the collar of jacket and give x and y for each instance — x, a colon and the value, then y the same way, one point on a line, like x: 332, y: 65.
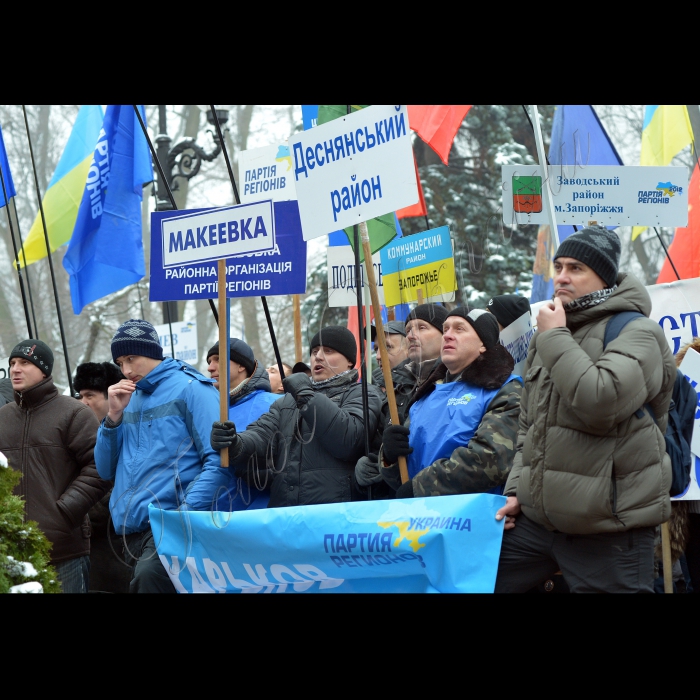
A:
x: 258, y: 381
x: 630, y: 295
x: 36, y: 395
x: 157, y: 375
x: 488, y: 371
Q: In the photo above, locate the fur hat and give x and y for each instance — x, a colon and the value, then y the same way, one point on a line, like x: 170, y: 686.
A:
x: 36, y: 352
x: 97, y: 376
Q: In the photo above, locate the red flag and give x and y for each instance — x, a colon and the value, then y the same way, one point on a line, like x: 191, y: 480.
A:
x: 685, y: 246
x: 419, y: 208
x: 437, y: 125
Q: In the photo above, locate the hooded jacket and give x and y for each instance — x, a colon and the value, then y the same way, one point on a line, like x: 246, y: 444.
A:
x: 50, y: 438
x: 309, y: 454
x: 587, y: 461
x: 465, y: 430
x: 160, y: 453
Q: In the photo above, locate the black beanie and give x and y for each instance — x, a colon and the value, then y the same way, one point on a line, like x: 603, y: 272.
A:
x: 338, y: 338
x: 508, y: 308
x: 483, y: 322
x: 136, y: 337
x: 434, y: 314
x: 36, y: 352
x: 596, y: 247
x: 239, y: 352
x: 97, y: 376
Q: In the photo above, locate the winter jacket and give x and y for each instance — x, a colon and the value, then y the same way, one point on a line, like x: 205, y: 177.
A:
x: 245, y: 406
x: 160, y: 452
x: 463, y: 432
x: 309, y: 454
x: 587, y: 462
x: 50, y: 438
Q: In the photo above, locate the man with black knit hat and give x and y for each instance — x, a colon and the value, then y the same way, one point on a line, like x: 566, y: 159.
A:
x: 107, y: 571
x: 461, y: 429
x: 423, y: 331
x: 591, y: 477
x: 307, y: 444
x: 154, y: 445
x: 508, y: 308
x: 250, y: 395
x: 50, y: 438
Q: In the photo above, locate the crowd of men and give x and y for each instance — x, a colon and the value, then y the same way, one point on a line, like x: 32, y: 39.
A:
x: 585, y: 474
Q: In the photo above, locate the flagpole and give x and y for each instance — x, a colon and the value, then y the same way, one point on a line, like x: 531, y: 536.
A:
x: 238, y: 201
x: 48, y: 255
x: 26, y: 271
x: 546, y: 192
x: 169, y: 192
x: 14, y: 247
x: 381, y: 340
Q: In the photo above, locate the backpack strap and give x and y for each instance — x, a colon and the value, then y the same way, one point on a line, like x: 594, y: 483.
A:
x: 613, y: 328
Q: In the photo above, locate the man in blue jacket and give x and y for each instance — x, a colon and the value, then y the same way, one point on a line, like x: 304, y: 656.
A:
x: 154, y: 445
x: 250, y: 395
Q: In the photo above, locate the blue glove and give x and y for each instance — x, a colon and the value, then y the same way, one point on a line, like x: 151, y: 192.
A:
x: 299, y: 386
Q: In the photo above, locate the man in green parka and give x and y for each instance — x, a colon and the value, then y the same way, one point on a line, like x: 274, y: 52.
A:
x: 591, y: 477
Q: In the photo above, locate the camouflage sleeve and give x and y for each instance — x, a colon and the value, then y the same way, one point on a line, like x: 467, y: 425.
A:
x: 486, y: 461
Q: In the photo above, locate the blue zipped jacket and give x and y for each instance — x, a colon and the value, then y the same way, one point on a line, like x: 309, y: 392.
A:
x: 160, y: 453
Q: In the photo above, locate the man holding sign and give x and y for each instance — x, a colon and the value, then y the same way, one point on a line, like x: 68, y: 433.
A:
x: 591, y: 477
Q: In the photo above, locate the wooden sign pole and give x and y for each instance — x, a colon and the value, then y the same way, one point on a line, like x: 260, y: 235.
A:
x: 297, y: 328
x: 223, y: 353
x: 381, y: 340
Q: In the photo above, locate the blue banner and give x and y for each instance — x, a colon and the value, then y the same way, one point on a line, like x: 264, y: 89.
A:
x: 276, y: 272
x: 445, y: 544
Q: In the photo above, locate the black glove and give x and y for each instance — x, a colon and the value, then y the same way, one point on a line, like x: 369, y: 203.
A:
x: 405, y: 490
x: 367, y: 470
x: 395, y: 443
x: 223, y: 435
x: 299, y: 386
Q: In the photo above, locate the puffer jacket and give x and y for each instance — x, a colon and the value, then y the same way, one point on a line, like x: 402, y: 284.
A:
x: 50, y: 438
x: 309, y: 454
x: 587, y: 461
x: 253, y: 399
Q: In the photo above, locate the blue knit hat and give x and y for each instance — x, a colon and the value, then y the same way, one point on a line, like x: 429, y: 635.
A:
x: 136, y: 337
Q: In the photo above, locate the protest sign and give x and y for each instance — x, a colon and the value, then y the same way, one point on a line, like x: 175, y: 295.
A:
x: 445, y: 544
x: 676, y: 308
x: 341, y: 276
x: 353, y: 168
x: 278, y: 269
x: 420, y: 262
x: 516, y: 340
x: 612, y: 195
x: 266, y: 173
x: 690, y: 366
x: 5, y: 369
x: 184, y: 340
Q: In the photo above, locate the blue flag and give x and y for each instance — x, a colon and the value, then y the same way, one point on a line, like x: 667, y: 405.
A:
x: 578, y: 139
x: 6, y: 184
x: 105, y: 253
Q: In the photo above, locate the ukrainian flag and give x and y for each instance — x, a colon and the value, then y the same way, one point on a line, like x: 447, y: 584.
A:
x: 666, y: 132
x: 65, y: 191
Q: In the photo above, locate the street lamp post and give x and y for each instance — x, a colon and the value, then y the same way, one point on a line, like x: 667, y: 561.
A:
x: 183, y: 160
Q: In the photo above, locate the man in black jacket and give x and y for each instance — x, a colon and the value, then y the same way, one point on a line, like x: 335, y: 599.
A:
x: 311, y: 438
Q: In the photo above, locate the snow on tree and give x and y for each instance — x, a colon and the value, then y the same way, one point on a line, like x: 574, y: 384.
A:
x: 24, y: 549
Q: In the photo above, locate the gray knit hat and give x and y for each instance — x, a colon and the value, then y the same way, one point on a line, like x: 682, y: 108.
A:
x: 596, y: 247
x: 136, y: 337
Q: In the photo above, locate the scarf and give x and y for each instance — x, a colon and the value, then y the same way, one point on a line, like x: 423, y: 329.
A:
x: 349, y: 376
x: 589, y: 300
